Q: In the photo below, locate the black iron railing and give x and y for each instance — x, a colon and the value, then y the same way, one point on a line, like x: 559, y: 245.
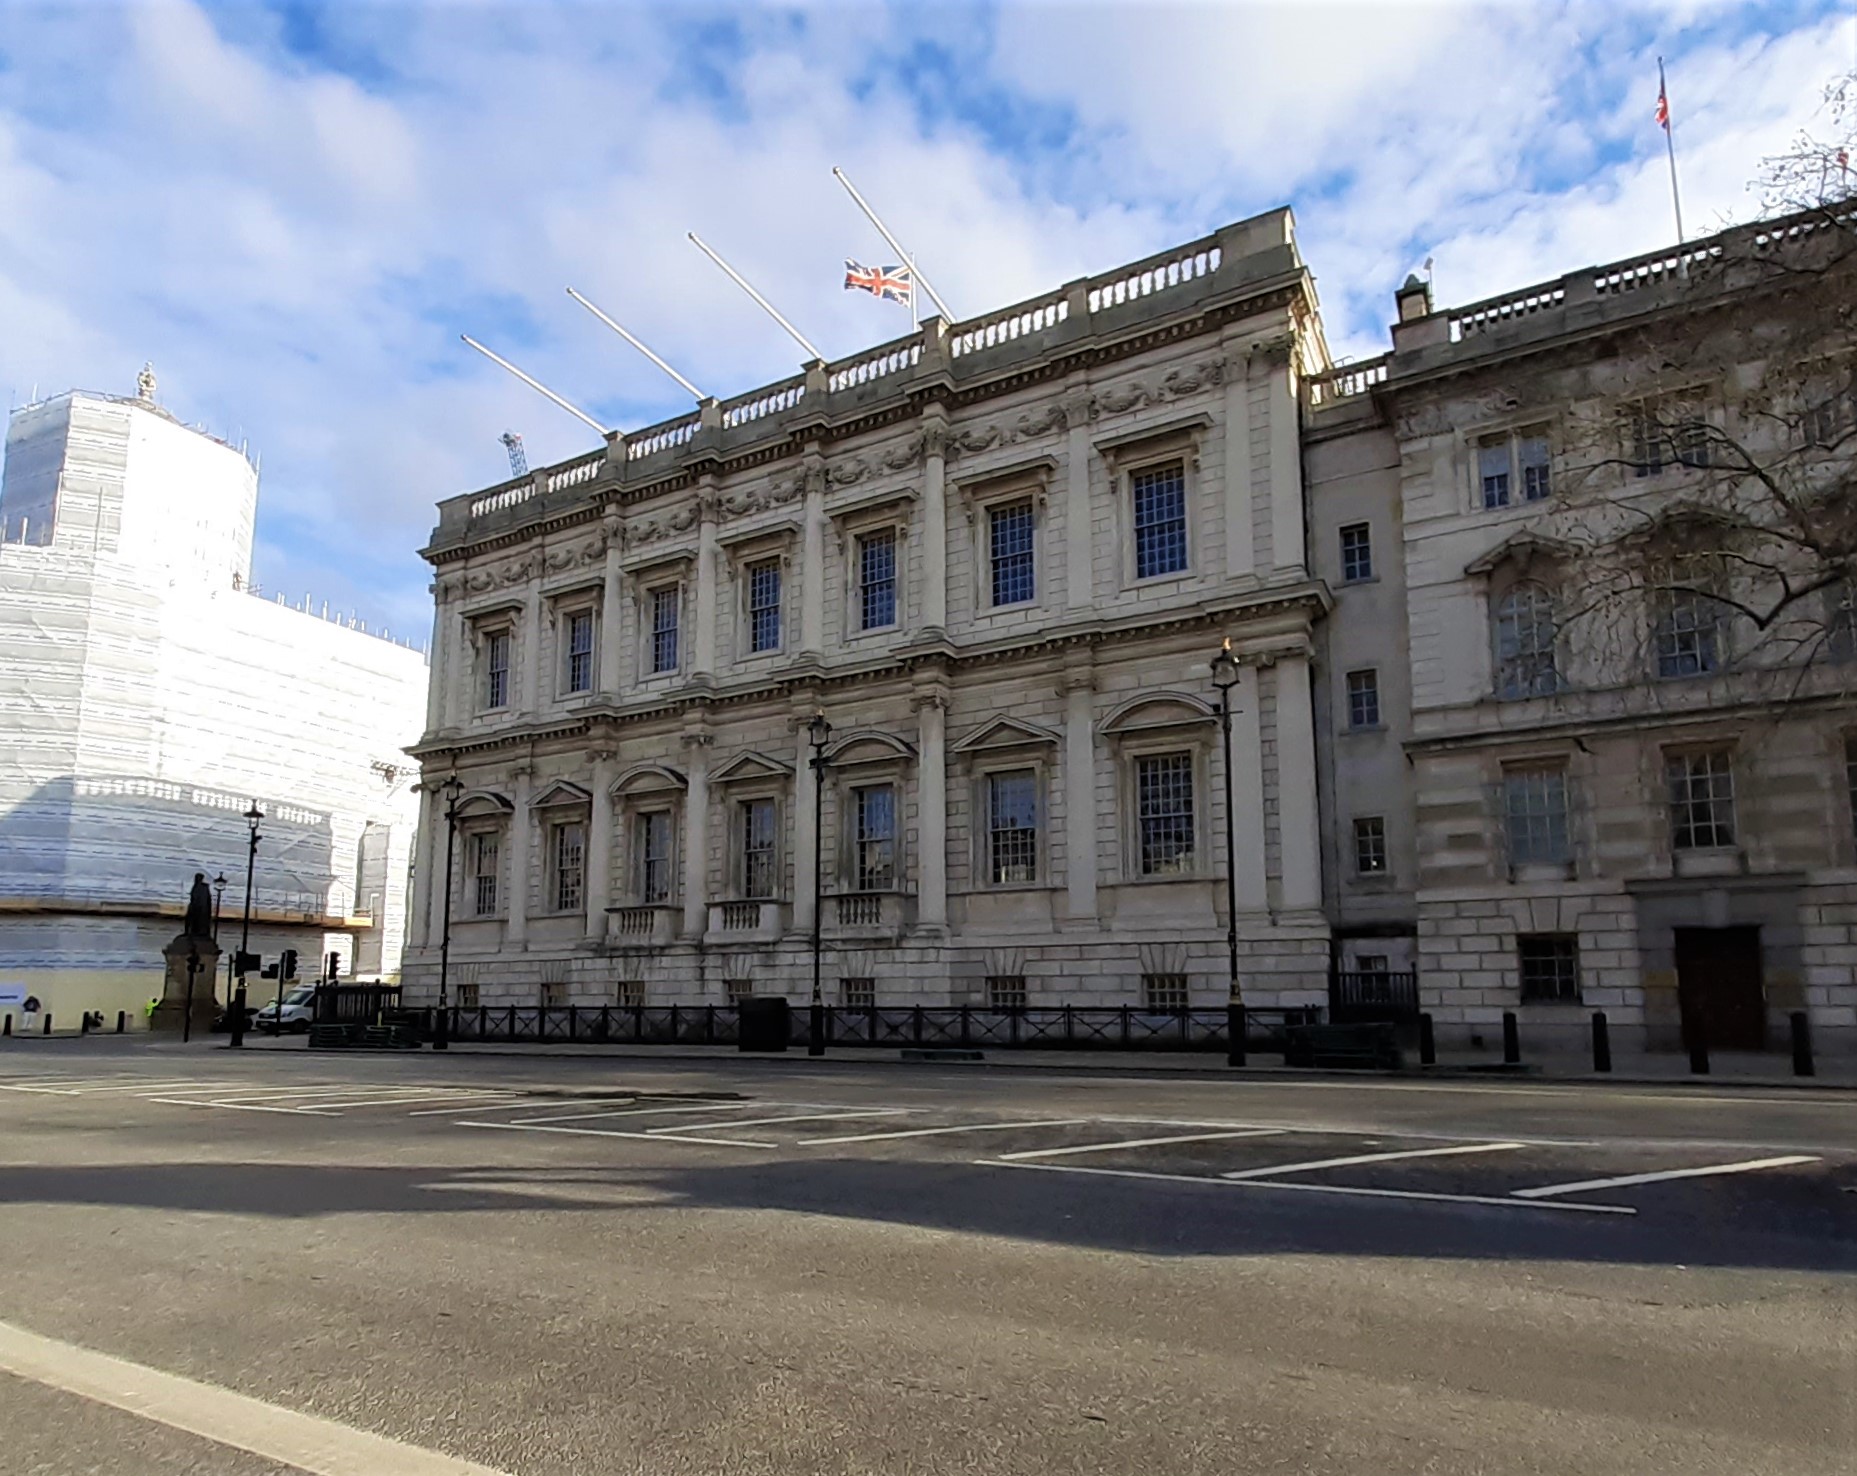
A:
x: 1358, y: 999
x: 354, y: 1003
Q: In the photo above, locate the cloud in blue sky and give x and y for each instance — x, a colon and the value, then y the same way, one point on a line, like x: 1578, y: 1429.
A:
x: 294, y: 209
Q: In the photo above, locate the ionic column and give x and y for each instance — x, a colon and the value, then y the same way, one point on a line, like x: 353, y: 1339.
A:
x: 703, y: 665
x: 934, y: 523
x: 812, y: 571
x: 419, y: 919
x: 435, y: 658
x: 1079, y: 789
x: 1247, y: 817
x: 696, y: 837
x: 805, y: 835
x: 1240, y: 553
x: 610, y: 596
x: 600, y: 845
x: 932, y: 809
x: 1298, y: 821
x: 1287, y: 551
x: 532, y: 683
x: 518, y: 929
x: 1079, y: 539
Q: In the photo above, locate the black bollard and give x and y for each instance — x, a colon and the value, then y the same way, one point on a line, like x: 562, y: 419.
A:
x: 1428, y: 1041
x: 48, y: 1022
x: 815, y: 1031
x: 235, y: 1018
x: 83, y: 1023
x: 7, y: 1028
x: 122, y: 1021
x: 1802, y: 1044
x: 1511, y: 1040
x: 1602, y: 1042
x: 1698, y: 1049
x: 1235, y: 1027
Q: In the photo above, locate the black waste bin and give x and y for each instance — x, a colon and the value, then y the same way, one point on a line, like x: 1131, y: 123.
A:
x: 762, y: 1024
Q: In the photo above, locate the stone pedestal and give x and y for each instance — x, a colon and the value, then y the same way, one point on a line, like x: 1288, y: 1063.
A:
x: 173, y: 1006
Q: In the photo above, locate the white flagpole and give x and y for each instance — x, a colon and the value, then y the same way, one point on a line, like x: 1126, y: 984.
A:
x: 767, y: 307
x: 1663, y: 94
x: 915, y: 315
x: 894, y: 244
x: 695, y: 393
x: 534, y: 384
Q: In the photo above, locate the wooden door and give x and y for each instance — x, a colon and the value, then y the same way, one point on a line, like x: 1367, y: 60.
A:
x: 1718, y: 985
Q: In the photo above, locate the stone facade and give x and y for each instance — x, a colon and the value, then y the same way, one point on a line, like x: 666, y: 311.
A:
x: 997, y: 556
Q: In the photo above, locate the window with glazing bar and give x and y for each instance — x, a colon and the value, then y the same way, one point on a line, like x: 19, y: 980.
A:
x: 1689, y: 633
x: 877, y: 580
x: 1363, y: 699
x: 666, y: 605
x: 1370, y: 845
x: 580, y: 651
x: 496, y: 669
x: 1356, y: 553
x: 764, y: 606
x: 1164, y: 813
x: 654, y: 856
x: 859, y: 994
x: 1527, y: 638
x: 1513, y: 462
x: 1159, y: 494
x: 570, y: 853
x: 758, y: 848
x: 1550, y: 967
x: 1005, y: 991
x: 484, y: 850
x: 1534, y: 816
x: 1012, y: 827
x: 1010, y: 530
x: 1701, y: 799
x: 874, y: 861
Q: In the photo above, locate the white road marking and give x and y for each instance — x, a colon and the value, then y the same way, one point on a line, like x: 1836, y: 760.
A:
x: 278, y: 1094
x: 633, y: 1112
x: 740, y: 1122
x: 1748, y: 1166
x: 443, y: 1096
x: 239, y: 1106
x: 499, y: 1099
x: 530, y: 1127
x: 1359, y: 1158
x: 966, y: 1127
x: 137, y: 1086
x: 1294, y: 1188
x: 305, y: 1442
x: 1140, y: 1143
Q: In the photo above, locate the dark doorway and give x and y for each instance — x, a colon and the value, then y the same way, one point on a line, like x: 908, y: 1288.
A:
x: 1718, y: 986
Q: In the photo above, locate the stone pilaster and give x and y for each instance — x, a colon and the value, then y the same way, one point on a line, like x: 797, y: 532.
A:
x: 934, y: 522
x: 1079, y: 787
x: 696, y: 833
x: 519, y: 839
x: 611, y: 594
x: 1298, y: 819
x: 600, y: 844
x: 932, y: 807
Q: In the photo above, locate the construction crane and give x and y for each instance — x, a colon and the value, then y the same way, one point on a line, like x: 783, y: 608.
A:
x: 518, y: 458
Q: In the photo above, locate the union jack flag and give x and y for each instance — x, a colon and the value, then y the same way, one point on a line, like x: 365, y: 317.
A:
x: 892, y: 283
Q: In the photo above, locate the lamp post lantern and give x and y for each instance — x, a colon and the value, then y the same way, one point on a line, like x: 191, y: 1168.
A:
x: 1225, y: 677
x: 219, y: 898
x: 254, y: 817
x: 451, y: 789
x: 819, y: 732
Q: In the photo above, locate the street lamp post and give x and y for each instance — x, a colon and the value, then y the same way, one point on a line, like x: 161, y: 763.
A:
x: 819, y: 731
x: 451, y: 789
x: 253, y: 817
x: 1225, y: 677
x: 232, y: 1020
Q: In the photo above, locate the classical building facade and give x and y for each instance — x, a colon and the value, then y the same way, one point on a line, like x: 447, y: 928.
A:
x: 997, y: 556
x: 1584, y: 750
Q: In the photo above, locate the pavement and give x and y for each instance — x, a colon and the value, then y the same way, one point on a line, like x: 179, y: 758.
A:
x: 323, y: 1262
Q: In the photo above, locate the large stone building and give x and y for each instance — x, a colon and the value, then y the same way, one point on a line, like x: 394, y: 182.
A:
x: 997, y: 556
x: 148, y: 695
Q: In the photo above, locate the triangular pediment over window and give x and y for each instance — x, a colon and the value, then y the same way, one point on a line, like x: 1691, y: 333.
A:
x: 1519, y: 551
x: 1005, y: 732
x: 560, y: 792
x: 749, y: 766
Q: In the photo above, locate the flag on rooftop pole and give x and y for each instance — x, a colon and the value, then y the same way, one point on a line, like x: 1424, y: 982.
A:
x: 1663, y: 122
x: 891, y: 283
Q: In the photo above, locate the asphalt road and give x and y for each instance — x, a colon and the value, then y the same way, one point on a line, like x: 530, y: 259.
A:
x: 592, y: 1266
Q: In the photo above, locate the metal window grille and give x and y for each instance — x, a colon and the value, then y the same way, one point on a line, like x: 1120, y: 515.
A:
x: 1688, y: 637
x: 1160, y: 519
x: 570, y: 855
x: 665, y: 607
x: 1363, y: 699
x: 484, y: 853
x: 1356, y: 552
x: 1163, y: 992
x: 757, y: 818
x: 1012, y: 827
x: 1005, y: 991
x: 876, y: 838
x: 580, y: 651
x: 1371, y: 963
x: 1701, y: 799
x: 496, y: 669
x: 877, y: 580
x: 858, y: 994
x: 1493, y: 471
x: 736, y: 990
x: 1550, y: 967
x: 1534, y: 816
x: 464, y: 996
x: 554, y: 996
x: 1010, y: 529
x: 1164, y: 813
x: 1526, y: 640
x: 764, y: 606
x: 1537, y: 479
x: 631, y: 993
x: 654, y: 856
x: 1370, y: 845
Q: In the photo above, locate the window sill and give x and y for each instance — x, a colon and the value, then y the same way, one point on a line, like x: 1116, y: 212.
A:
x: 1364, y: 728
x: 1171, y: 878
x: 1374, y: 881
x: 1150, y: 581
x: 1541, y: 871
x: 1556, y: 1003
x: 1347, y: 583
x: 1715, y: 861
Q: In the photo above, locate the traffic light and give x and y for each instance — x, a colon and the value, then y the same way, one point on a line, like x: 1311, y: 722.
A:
x: 288, y: 964
x: 269, y: 971
x: 334, y: 970
x: 244, y: 962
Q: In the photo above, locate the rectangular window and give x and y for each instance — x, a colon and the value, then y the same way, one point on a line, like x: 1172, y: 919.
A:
x: 1850, y: 781
x: 654, y: 857
x: 1550, y: 967
x: 1688, y: 637
x: 496, y: 669
x: 1371, y: 963
x: 1534, y: 816
x: 1701, y: 799
x: 1012, y: 827
x: 466, y: 996
x: 1663, y: 434
x: 1164, y: 813
x: 1159, y: 495
x: 1363, y: 699
x: 1493, y: 470
x: 758, y: 848
x: 666, y: 605
x: 764, y: 606
x: 859, y: 994
x: 579, y: 634
x: 736, y: 990
x: 1163, y: 992
x: 630, y: 993
x: 877, y: 580
x: 568, y: 859
x: 1531, y: 455
x: 1511, y: 463
x: 1356, y: 553
x: 484, y: 852
x: 1005, y: 991
x: 1370, y: 845
x: 1841, y: 621
x: 554, y: 996
x: 1010, y: 532
x: 875, y: 858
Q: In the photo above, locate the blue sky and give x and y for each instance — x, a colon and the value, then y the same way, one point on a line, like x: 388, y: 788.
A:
x: 293, y: 209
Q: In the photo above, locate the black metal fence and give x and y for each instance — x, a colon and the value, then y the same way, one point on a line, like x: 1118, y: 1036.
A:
x: 1063, y: 1027
x: 349, y: 1004
x: 1359, y: 999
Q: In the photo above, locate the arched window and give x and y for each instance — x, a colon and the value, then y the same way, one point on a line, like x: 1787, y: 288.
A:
x: 1525, y: 639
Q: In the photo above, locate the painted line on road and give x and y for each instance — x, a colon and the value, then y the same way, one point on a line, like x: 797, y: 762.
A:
x: 529, y: 1127
x: 491, y: 1102
x: 1139, y: 1143
x: 1359, y: 1158
x: 934, y: 1132
x: 743, y: 1122
x: 633, y: 1112
x: 446, y: 1096
x: 1747, y: 1166
x: 1292, y: 1188
x: 239, y: 1106
x: 280, y: 1094
x: 307, y: 1443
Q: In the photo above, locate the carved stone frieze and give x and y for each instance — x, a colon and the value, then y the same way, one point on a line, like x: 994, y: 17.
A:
x: 1173, y: 385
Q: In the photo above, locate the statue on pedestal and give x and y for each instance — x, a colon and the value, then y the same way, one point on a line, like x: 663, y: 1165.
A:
x: 188, y: 1002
